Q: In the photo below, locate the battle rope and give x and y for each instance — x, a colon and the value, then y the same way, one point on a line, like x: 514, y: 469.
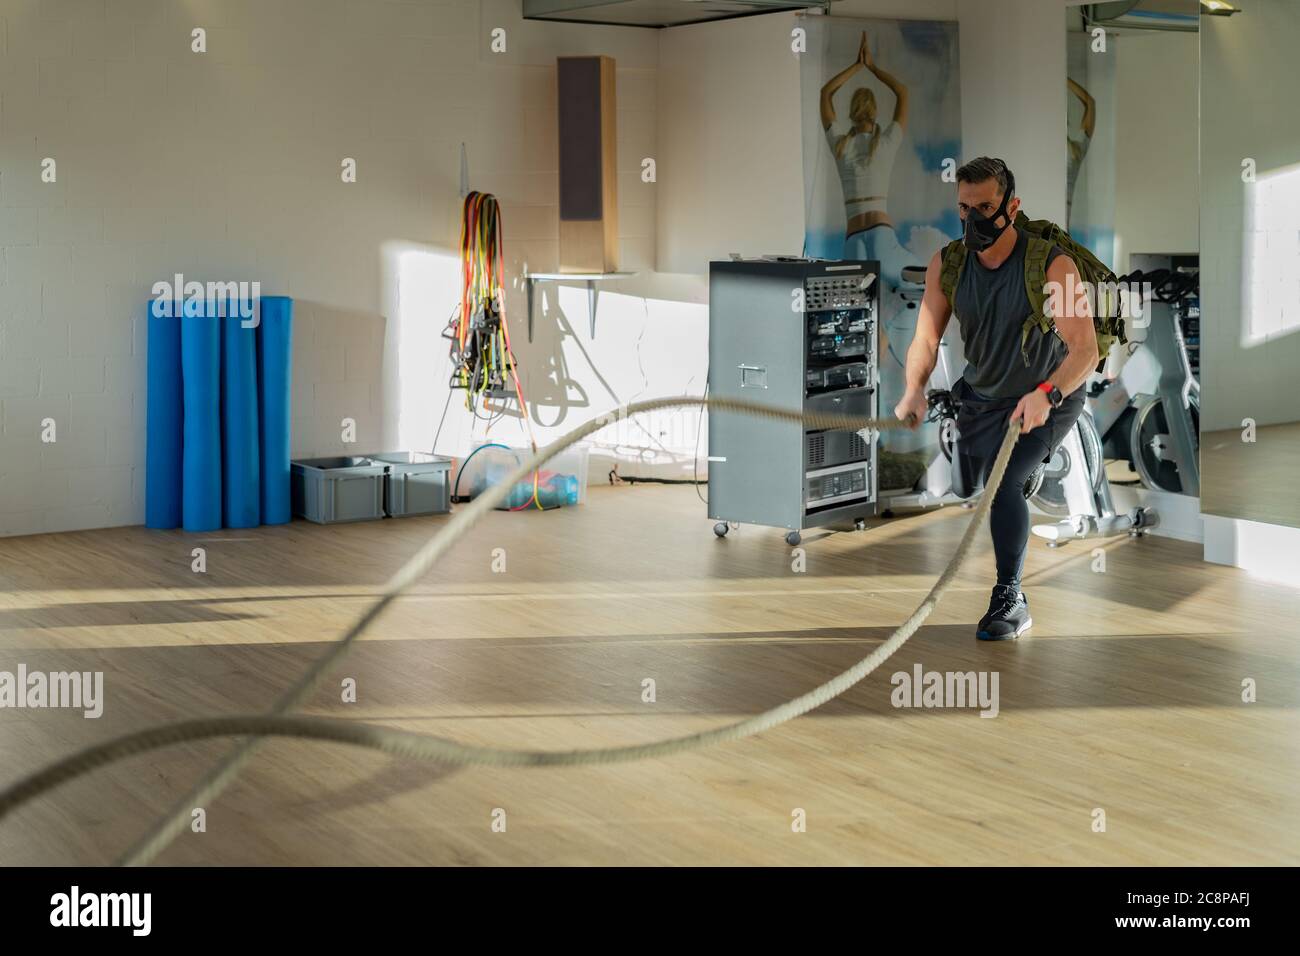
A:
x: 419, y: 746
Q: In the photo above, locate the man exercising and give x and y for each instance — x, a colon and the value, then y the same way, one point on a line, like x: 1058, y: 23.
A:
x: 1042, y: 388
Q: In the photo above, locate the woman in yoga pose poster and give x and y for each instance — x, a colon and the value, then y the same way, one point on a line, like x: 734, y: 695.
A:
x: 881, y: 124
x: 1076, y: 141
x: 864, y: 152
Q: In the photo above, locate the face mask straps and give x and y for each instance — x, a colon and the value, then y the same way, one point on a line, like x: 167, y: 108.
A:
x: 981, y: 231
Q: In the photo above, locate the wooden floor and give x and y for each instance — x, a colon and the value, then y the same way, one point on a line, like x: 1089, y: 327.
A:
x: 1126, y: 698
x: 1252, y: 480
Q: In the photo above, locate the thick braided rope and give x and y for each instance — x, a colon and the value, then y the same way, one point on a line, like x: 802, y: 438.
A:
x: 420, y: 746
x: 464, y: 518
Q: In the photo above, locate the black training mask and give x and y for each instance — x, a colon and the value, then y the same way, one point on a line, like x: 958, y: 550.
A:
x: 981, y: 231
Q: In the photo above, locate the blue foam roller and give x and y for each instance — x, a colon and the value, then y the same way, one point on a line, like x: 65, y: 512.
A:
x: 274, y: 347
x: 201, y: 374
x: 164, y: 428
x: 241, y: 479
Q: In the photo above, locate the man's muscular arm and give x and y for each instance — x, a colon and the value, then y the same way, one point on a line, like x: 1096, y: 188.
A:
x: 1074, y: 321
x: 931, y: 320
x: 1068, y: 303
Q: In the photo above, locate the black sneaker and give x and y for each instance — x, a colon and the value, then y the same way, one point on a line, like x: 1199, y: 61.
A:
x: 1008, y: 615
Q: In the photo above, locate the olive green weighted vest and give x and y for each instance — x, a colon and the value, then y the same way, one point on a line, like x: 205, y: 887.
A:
x: 1042, y: 236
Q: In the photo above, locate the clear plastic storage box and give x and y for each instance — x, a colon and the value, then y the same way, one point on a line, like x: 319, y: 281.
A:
x: 561, y: 482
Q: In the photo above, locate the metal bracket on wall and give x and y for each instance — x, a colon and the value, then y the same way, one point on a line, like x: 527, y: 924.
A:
x: 591, y: 278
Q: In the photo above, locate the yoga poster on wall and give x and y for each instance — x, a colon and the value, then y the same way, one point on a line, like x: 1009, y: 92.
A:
x: 1090, y: 141
x: 881, y: 114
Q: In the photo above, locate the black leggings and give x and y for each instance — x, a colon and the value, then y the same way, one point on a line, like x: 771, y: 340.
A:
x: 1009, y: 516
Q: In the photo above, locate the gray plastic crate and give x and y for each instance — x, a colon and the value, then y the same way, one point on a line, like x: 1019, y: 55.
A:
x: 416, y: 483
x: 333, y: 490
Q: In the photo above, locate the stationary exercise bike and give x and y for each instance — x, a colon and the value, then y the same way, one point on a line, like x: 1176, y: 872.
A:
x: 965, y: 480
x: 1150, y: 414
x: 1072, y: 482
x: 935, y: 486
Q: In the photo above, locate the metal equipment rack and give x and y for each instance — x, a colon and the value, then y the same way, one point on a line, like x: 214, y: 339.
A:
x: 792, y: 334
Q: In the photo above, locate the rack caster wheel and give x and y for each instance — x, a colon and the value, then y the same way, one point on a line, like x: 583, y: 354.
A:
x: 793, y: 539
x: 887, y: 513
x: 720, y: 529
x: 859, y: 524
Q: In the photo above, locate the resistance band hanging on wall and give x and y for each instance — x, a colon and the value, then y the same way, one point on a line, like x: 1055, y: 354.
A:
x: 482, y: 361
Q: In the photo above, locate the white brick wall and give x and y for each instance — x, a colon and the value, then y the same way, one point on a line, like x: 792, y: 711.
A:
x: 225, y: 166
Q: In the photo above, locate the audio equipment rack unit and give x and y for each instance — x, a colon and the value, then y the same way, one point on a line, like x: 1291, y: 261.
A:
x: 792, y: 334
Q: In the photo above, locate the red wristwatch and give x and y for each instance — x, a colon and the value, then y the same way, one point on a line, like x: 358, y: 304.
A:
x: 1054, y: 396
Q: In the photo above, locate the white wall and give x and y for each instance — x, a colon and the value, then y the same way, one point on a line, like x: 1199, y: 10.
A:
x: 1265, y: 550
x: 651, y: 332
x: 730, y: 170
x: 1013, y: 94
x: 225, y: 165
x: 727, y: 91
x: 1157, y: 205
x: 729, y: 124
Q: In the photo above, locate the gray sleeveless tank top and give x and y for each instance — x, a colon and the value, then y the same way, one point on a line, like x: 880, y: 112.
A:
x: 991, y: 306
